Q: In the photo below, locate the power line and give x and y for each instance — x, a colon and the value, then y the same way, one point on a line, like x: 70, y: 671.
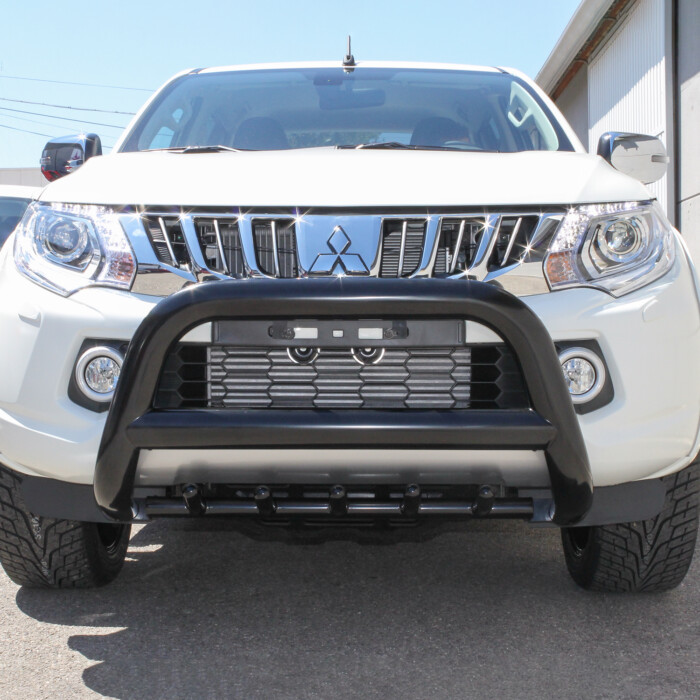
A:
x: 37, y: 133
x: 26, y: 131
x: 67, y: 119
x: 81, y: 109
x: 33, y: 121
x: 66, y: 82
x: 36, y: 121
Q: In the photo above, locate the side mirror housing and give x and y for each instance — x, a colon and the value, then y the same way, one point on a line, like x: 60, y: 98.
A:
x: 65, y: 154
x: 642, y: 157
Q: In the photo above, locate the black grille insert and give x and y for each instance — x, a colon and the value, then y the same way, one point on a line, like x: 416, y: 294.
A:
x: 276, y: 247
x: 183, y: 381
x: 402, y: 247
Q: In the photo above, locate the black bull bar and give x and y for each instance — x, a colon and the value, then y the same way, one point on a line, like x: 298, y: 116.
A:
x: 550, y: 425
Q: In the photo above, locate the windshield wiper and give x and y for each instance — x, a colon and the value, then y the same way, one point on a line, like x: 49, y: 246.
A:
x: 197, y: 149
x: 208, y: 149
x: 390, y: 145
x: 386, y: 144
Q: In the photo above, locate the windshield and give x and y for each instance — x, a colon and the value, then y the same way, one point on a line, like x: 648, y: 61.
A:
x: 11, y: 211
x: 276, y: 109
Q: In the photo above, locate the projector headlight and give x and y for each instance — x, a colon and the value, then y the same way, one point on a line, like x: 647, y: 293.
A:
x: 66, y: 247
x: 614, y: 247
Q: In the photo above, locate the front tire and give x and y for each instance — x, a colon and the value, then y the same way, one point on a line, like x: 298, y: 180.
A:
x: 649, y: 555
x: 41, y: 552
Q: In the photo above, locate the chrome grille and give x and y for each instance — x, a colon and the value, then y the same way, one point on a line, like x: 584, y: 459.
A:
x: 227, y: 244
x: 511, y: 240
x: 457, y: 245
x: 168, y: 239
x: 220, y: 243
x: 456, y: 378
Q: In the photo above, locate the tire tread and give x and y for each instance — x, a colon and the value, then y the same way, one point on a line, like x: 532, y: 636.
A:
x: 42, y: 552
x: 646, y: 556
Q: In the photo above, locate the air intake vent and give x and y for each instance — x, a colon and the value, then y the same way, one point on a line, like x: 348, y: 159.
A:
x: 485, y: 377
x: 276, y: 247
x: 402, y: 247
x: 220, y: 241
x: 165, y: 233
x: 457, y: 245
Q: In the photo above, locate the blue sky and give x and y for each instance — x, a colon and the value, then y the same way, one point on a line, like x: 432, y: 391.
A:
x: 140, y: 44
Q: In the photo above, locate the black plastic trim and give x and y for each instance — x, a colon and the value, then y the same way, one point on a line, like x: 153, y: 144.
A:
x: 132, y: 418
x: 51, y: 498
x: 625, y: 503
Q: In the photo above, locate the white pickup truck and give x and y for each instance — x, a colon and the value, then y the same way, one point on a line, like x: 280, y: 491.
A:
x: 349, y: 294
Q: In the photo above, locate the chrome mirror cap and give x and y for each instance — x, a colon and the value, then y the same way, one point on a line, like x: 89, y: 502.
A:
x: 62, y: 155
x: 641, y: 157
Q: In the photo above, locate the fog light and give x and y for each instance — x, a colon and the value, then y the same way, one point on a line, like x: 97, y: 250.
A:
x: 97, y: 373
x: 584, y: 373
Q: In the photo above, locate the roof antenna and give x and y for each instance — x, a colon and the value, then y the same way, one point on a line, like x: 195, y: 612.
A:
x: 349, y: 60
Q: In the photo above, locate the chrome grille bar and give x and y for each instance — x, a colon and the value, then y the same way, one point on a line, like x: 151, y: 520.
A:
x: 166, y: 239
x: 220, y: 244
x: 275, y: 250
x: 458, y: 245
x: 402, y: 250
x: 513, y: 236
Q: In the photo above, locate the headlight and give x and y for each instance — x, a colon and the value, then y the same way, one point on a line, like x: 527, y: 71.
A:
x: 66, y: 247
x: 614, y: 247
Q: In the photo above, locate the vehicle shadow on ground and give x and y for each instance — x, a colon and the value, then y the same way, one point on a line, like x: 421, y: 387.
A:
x: 201, y: 611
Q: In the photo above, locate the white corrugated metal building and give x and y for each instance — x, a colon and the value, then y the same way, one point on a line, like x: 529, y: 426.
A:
x: 22, y: 176
x: 634, y: 65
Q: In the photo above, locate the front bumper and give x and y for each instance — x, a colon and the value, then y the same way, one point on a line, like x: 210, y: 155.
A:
x: 650, y: 340
x: 551, y: 425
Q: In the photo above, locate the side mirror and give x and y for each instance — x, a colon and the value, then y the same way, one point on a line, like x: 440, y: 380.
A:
x: 65, y: 154
x: 641, y: 157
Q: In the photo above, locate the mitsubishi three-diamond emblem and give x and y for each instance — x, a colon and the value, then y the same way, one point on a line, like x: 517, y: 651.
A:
x: 339, y: 261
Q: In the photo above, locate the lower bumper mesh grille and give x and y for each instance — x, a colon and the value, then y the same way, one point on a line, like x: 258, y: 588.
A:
x: 454, y: 378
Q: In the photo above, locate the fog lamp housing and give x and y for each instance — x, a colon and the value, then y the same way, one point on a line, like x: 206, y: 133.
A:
x: 584, y: 373
x: 97, y: 373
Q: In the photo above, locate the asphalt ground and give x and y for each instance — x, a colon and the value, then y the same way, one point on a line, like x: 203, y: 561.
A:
x: 201, y: 611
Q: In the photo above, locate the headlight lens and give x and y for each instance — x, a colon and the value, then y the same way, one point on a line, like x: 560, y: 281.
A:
x: 67, y: 247
x: 614, y: 247
x: 65, y: 239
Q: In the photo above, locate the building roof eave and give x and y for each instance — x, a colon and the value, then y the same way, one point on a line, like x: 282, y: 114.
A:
x: 589, y: 14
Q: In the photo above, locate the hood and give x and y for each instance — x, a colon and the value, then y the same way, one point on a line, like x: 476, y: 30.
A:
x: 328, y: 177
